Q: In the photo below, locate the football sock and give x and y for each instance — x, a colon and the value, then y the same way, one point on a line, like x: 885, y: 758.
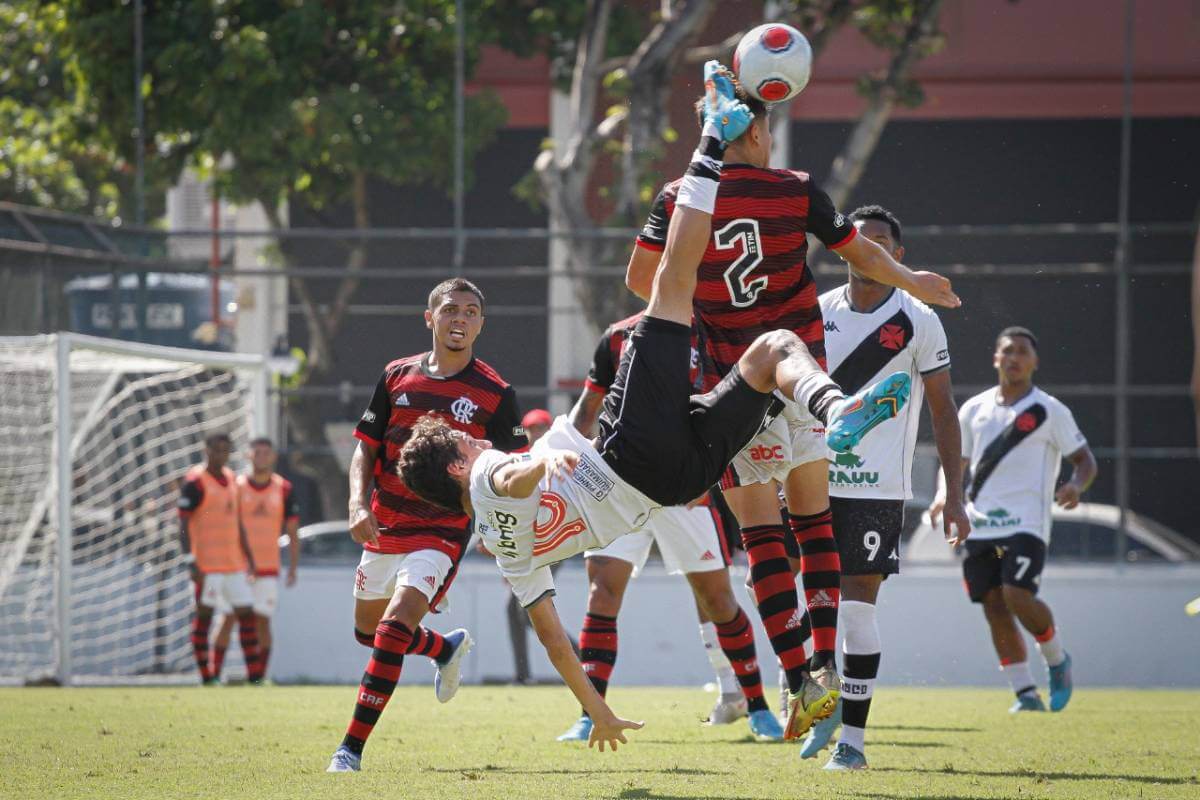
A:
x: 248, y: 639
x: 392, y: 640
x: 1051, y: 646
x: 200, y: 625
x: 365, y: 639
x: 264, y: 657
x: 821, y: 574
x: 698, y: 189
x: 818, y: 393
x: 726, y: 679
x: 1019, y: 677
x: 430, y: 643
x: 598, y: 649
x: 737, y: 641
x: 218, y: 660
x: 778, y: 605
x: 860, y: 649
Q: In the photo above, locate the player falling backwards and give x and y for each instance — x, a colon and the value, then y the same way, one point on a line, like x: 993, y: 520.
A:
x: 658, y: 446
x: 754, y: 278
x: 411, y: 548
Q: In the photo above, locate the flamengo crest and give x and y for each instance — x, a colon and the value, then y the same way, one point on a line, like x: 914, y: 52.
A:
x: 463, y: 409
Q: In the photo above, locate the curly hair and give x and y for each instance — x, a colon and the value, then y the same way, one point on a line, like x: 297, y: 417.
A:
x: 425, y: 460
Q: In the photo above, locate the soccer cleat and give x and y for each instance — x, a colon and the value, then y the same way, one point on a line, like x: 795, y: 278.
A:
x: 821, y: 733
x: 344, y: 761
x: 813, y: 702
x: 1060, y: 684
x: 729, y: 708
x: 1029, y: 701
x: 765, y: 727
x: 721, y: 105
x: 846, y: 757
x: 445, y: 682
x: 855, y: 416
x: 581, y: 731
x: 210, y: 681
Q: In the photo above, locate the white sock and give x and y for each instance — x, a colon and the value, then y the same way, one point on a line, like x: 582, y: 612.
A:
x: 861, y: 647
x: 1052, y: 649
x: 853, y: 736
x: 1019, y: 677
x: 726, y: 679
x: 817, y: 392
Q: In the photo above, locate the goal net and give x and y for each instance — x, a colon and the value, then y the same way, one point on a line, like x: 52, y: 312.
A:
x: 95, y: 437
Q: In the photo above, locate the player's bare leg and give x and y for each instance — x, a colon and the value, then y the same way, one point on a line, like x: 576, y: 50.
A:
x: 367, y: 614
x: 221, y: 644
x: 1010, y: 648
x: 1035, y: 616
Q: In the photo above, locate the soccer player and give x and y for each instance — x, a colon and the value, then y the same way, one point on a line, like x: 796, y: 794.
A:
x: 692, y: 543
x: 216, y: 548
x: 411, y: 548
x: 659, y: 445
x: 267, y: 507
x: 873, y: 330
x: 754, y: 278
x: 1013, y: 440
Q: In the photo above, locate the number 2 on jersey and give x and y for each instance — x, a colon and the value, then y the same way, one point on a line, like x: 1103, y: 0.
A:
x: 742, y: 292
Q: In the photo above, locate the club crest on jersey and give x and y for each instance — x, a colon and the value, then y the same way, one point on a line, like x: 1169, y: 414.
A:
x: 1026, y: 422
x: 464, y: 409
x: 892, y: 337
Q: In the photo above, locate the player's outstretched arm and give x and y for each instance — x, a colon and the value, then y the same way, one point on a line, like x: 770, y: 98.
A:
x: 520, y: 477
x: 869, y: 259
x: 607, y: 727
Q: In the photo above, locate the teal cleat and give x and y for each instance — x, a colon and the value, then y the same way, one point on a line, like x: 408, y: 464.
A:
x: 344, y: 761
x: 846, y: 757
x: 1060, y: 684
x: 449, y: 672
x: 820, y: 734
x: 765, y: 726
x: 581, y: 731
x: 858, y: 414
x: 721, y: 105
x: 1030, y: 701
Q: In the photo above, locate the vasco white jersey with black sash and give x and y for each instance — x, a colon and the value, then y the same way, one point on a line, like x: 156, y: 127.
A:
x: 563, y: 516
x: 901, y: 334
x: 1015, y: 452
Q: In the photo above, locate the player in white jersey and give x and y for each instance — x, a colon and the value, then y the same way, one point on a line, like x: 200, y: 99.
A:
x: 1014, y: 438
x: 873, y: 330
x: 659, y: 445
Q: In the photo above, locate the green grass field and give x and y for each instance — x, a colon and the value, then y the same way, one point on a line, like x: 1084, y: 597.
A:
x: 499, y: 743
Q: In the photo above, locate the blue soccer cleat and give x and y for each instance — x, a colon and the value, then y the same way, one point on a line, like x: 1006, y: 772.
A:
x: 846, y: 757
x: 344, y: 761
x: 581, y: 731
x: 1029, y: 701
x: 449, y: 672
x: 820, y: 734
x: 721, y: 105
x: 858, y: 414
x: 765, y: 726
x: 1060, y: 684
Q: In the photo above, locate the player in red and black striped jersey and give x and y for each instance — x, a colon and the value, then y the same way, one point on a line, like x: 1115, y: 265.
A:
x: 411, y: 548
x: 753, y: 279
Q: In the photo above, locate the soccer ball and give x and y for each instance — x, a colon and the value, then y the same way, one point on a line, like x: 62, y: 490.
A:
x: 773, y: 62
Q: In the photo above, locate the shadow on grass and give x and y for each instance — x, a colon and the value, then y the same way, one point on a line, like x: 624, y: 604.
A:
x: 924, y: 729
x: 890, y: 743
x: 1050, y: 776
x: 492, y: 768
x: 647, y: 794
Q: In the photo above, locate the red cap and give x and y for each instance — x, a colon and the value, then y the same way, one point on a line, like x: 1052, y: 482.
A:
x: 538, y: 416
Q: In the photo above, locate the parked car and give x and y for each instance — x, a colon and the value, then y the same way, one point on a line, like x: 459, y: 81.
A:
x: 1087, y: 532
x: 328, y: 544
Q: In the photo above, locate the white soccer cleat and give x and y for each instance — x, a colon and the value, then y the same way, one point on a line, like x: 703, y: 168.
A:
x: 729, y: 708
x: 449, y: 674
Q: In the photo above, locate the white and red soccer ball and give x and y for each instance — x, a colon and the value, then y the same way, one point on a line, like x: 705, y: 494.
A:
x: 773, y: 62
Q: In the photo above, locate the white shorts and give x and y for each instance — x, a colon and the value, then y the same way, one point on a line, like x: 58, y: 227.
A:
x: 264, y: 590
x: 226, y: 590
x: 793, y: 438
x: 688, y: 540
x: 379, y: 575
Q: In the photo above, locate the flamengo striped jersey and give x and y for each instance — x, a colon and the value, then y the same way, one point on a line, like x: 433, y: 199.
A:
x: 607, y: 357
x: 475, y: 400
x: 754, y: 276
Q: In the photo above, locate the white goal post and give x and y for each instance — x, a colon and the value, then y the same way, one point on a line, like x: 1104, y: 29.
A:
x: 95, y: 437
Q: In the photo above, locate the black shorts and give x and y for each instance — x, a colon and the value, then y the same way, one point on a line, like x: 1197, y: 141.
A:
x: 868, y: 534
x: 670, y: 444
x: 1015, y: 560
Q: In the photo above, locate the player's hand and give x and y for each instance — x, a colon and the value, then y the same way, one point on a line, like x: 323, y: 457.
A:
x: 364, y: 528
x: 291, y: 578
x: 1067, y: 495
x: 956, y: 525
x: 611, y: 731
x: 561, y: 463
x: 934, y: 289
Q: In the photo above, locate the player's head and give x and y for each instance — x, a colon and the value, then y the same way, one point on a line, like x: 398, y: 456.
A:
x: 217, y: 447
x: 881, y: 227
x: 436, y: 461
x: 262, y: 454
x: 754, y: 146
x: 536, y: 423
x: 1016, y: 357
x: 455, y: 314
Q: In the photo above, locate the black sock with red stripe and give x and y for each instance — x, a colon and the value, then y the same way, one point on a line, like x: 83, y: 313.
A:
x: 737, y: 642
x: 598, y: 649
x: 392, y: 640
x: 431, y: 644
x: 248, y: 639
x: 821, y: 573
x: 200, y: 625
x: 218, y: 660
x: 778, y: 604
